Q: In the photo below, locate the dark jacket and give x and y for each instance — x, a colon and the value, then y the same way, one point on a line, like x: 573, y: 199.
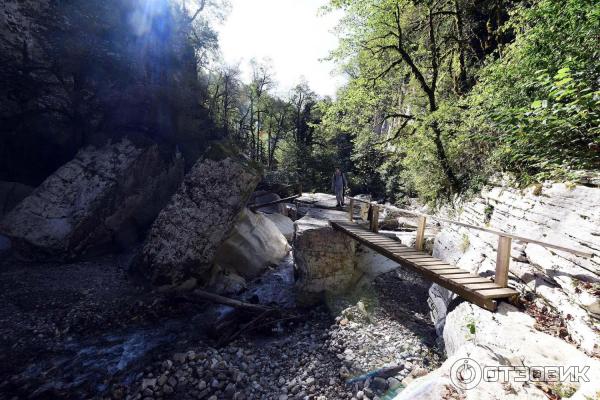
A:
x: 344, y: 182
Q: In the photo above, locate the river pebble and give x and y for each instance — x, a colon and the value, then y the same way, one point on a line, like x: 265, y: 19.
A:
x: 320, y: 358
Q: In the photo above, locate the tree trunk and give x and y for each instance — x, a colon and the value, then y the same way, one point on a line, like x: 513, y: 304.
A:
x: 443, y: 158
x: 251, y: 127
x: 226, y: 109
x: 462, y: 85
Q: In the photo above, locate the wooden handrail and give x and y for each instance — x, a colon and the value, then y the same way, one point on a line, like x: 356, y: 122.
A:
x: 488, y: 230
x: 504, y: 239
x: 501, y: 233
x: 361, y: 200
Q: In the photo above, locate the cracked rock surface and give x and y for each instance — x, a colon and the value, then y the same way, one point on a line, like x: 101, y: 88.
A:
x: 564, y: 214
x: 185, y: 236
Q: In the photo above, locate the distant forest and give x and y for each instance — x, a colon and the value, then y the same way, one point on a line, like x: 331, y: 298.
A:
x: 442, y: 95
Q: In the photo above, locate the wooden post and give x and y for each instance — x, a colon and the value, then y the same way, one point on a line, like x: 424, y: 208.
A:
x: 375, y: 218
x: 420, y: 244
x: 502, y: 260
x: 351, y: 210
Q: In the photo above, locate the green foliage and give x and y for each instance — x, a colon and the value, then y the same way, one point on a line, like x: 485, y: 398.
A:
x: 465, y: 243
x: 557, y: 132
x: 472, y: 327
x: 539, y: 102
x: 528, y: 100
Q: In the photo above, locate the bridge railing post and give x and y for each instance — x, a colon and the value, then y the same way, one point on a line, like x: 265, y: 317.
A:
x: 420, y: 242
x: 351, y: 210
x: 502, y: 260
x: 375, y: 218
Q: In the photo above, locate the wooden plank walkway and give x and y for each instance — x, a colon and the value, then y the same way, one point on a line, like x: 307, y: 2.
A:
x: 474, y: 288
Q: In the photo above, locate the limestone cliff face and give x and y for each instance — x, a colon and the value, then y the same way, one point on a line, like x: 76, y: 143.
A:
x: 64, y: 84
x: 17, y: 26
x: 566, y: 215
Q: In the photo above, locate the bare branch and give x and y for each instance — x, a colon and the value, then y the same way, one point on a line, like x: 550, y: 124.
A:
x: 387, y: 70
x: 199, y: 10
x: 398, y: 115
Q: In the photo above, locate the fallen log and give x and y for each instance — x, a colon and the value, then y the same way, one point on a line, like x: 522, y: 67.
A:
x: 382, y: 373
x: 254, y: 207
x: 247, y: 317
x: 201, y: 295
x: 223, y: 340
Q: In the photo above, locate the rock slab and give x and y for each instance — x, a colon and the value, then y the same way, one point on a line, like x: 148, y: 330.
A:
x: 184, y: 238
x: 254, y: 244
x: 101, y: 199
x: 284, y: 224
x: 324, y: 259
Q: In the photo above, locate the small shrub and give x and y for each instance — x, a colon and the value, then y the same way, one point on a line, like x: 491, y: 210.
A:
x: 487, y: 213
x: 563, y: 391
x: 464, y: 245
x: 471, y: 327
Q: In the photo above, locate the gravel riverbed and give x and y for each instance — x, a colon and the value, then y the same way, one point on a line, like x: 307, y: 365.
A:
x: 98, y: 335
x: 322, y: 357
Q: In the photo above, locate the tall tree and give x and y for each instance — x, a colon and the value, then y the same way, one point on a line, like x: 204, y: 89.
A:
x: 415, y: 40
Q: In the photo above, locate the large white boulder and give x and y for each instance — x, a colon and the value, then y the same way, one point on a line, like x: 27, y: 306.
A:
x: 284, y: 224
x: 506, y: 339
x: 102, y: 198
x: 254, y: 244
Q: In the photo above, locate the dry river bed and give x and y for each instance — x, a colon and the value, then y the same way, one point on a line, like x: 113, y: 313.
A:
x: 98, y: 335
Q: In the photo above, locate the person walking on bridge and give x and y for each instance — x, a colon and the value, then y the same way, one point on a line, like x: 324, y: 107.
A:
x: 338, y: 186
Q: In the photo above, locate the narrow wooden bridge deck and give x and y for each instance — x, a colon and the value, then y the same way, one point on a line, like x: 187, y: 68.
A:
x: 479, y: 290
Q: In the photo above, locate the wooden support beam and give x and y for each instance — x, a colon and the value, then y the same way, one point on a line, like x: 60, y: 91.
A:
x: 502, y: 261
x: 420, y: 244
x: 351, y: 210
x: 375, y: 218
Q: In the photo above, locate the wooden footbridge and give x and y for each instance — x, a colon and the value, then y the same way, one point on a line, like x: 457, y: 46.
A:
x: 479, y: 290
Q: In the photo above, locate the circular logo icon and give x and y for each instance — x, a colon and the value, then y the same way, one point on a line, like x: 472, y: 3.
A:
x: 465, y: 373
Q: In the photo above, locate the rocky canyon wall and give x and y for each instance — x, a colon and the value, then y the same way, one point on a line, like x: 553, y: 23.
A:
x: 557, y: 285
x: 563, y: 214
